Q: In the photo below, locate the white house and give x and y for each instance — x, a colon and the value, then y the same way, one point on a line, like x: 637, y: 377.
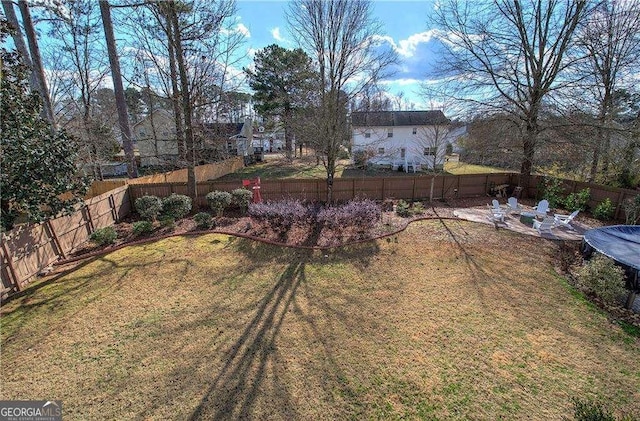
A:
x: 407, y: 140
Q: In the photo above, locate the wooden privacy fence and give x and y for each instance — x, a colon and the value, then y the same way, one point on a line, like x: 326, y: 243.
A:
x: 203, y: 172
x: 27, y: 249
x: 377, y: 188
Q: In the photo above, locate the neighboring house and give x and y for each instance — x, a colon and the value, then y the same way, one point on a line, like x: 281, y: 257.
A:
x: 270, y: 140
x: 402, y: 140
x: 156, y: 138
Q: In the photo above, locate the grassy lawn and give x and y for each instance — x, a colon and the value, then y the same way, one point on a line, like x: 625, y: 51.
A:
x: 306, y: 167
x: 460, y: 168
x: 450, y: 320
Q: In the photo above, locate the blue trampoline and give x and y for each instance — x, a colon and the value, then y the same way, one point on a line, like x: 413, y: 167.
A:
x: 622, y: 244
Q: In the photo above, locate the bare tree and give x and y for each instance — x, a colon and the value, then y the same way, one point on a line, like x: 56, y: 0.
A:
x: 509, y: 56
x: 610, y: 39
x: 341, y: 36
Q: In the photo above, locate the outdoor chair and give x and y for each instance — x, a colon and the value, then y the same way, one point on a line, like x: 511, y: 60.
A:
x: 564, y: 220
x: 544, y: 226
x: 495, y: 206
x: 513, y: 206
x: 542, y: 208
x: 496, y: 213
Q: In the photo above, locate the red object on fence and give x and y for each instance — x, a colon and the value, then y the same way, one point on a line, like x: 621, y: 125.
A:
x: 255, y: 186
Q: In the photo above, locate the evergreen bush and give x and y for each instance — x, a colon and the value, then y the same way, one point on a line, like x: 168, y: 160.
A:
x: 142, y: 227
x: 602, y: 277
x: 219, y: 201
x: 104, y: 236
x: 176, y: 206
x: 204, y: 220
x: 241, y: 198
x: 604, y: 211
x: 148, y: 207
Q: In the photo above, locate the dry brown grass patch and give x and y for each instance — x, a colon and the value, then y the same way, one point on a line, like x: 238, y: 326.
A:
x: 453, y: 321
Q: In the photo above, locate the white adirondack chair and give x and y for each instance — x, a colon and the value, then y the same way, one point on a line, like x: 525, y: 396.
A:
x: 542, y: 208
x: 513, y: 206
x: 544, y: 227
x: 564, y: 220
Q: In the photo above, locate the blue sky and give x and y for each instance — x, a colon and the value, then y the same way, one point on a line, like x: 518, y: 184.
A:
x: 404, y: 23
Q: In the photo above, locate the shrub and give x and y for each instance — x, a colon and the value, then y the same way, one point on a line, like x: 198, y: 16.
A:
x: 553, y: 191
x: 283, y: 214
x: 402, y: 209
x: 417, y: 208
x: 219, y: 201
x: 104, y: 236
x: 588, y: 410
x: 203, y: 220
x: 148, y: 207
x: 176, y: 206
x: 577, y: 201
x: 142, y: 227
x: 241, y: 198
x: 361, y: 214
x: 602, y: 277
x: 632, y: 210
x: 604, y: 211
x: 362, y: 156
x: 167, y: 222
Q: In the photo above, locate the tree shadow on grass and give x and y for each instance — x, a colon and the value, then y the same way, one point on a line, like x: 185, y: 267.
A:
x: 235, y: 389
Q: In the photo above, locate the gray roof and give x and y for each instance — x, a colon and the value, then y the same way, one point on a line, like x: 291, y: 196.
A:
x: 398, y: 118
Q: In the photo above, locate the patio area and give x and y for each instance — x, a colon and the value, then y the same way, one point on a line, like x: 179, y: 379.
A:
x: 512, y: 222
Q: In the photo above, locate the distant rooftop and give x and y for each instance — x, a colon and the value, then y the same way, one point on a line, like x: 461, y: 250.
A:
x: 398, y: 118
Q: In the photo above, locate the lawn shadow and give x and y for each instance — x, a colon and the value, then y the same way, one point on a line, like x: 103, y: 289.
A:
x: 234, y: 390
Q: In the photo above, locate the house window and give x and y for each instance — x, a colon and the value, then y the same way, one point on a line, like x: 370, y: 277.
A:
x: 415, y: 130
x: 403, y: 152
x: 390, y: 133
x: 367, y: 134
x: 380, y: 151
x: 429, y: 151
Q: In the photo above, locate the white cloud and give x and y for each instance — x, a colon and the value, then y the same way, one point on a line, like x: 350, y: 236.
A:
x: 275, y: 33
x: 401, y: 82
x: 240, y: 28
x: 243, y: 30
x: 407, y: 47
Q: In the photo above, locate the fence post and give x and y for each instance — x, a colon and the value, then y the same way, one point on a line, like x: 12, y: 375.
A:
x: 55, y: 238
x: 112, y: 205
x: 92, y: 228
x: 413, y: 191
x: 619, y: 203
x: 12, y: 270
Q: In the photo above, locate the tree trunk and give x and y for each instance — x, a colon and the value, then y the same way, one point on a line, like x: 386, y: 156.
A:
x: 186, y: 106
x: 287, y: 133
x: 528, y: 151
x: 594, y: 160
x: 175, y: 97
x: 121, y: 104
x: 18, y: 40
x: 38, y: 80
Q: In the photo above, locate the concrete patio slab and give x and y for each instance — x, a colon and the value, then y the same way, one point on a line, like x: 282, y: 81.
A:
x: 512, y: 222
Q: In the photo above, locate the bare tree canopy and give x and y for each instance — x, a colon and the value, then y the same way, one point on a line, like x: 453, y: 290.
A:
x: 610, y: 41
x: 509, y: 55
x: 342, y: 37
